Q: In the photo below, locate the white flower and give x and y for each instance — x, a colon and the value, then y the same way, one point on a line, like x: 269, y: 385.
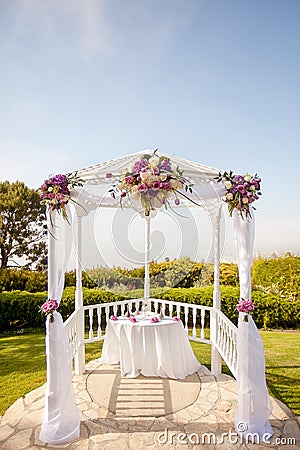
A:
x: 228, y: 184
x: 135, y: 189
x: 70, y: 186
x: 50, y: 189
x: 252, y: 187
x: 163, y: 177
x: 229, y: 196
x: 154, y: 160
x: 247, y: 177
x: 245, y: 200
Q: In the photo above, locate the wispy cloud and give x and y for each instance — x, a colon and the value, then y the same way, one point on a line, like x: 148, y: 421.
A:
x: 82, y: 24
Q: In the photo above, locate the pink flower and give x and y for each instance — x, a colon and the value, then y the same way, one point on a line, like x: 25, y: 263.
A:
x: 108, y: 175
x: 49, y: 306
x: 129, y: 180
x: 176, y: 319
x: 154, y: 320
x: 156, y: 185
x: 143, y: 187
x: 123, y: 194
x: 166, y: 186
x: 113, y: 318
x: 245, y: 306
x: 132, y: 319
x: 177, y: 201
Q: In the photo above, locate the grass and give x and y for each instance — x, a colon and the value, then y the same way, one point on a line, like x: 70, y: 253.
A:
x: 22, y: 365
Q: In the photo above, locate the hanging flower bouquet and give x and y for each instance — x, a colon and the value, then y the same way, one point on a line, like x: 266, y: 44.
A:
x: 48, y: 308
x: 56, y: 192
x: 245, y: 306
x: 152, y: 180
x: 241, y: 191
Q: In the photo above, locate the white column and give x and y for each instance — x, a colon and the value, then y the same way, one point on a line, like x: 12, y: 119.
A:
x: 147, y: 260
x: 216, y: 361
x: 80, y: 355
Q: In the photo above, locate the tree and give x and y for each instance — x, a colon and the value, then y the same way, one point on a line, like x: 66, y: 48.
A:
x: 22, y: 227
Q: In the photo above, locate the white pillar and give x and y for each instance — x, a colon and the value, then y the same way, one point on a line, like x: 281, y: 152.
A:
x: 80, y: 355
x: 147, y: 261
x: 216, y: 360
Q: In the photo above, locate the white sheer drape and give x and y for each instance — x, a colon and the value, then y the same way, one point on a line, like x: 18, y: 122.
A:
x: 61, y: 420
x: 253, y: 411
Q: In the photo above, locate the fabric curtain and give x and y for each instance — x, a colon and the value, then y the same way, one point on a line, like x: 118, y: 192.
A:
x: 61, y: 419
x: 252, y: 416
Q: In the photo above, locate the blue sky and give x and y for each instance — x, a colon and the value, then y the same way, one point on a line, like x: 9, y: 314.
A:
x: 212, y: 81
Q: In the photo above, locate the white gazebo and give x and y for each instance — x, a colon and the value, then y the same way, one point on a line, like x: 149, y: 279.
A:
x: 66, y: 341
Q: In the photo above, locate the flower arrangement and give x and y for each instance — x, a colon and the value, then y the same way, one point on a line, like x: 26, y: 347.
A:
x: 132, y: 319
x: 153, y: 180
x: 113, y: 317
x: 154, y: 320
x: 242, y: 191
x: 49, y: 307
x: 245, y: 306
x: 56, y: 191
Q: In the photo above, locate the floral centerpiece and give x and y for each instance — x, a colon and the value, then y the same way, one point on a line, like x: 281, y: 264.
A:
x: 242, y: 191
x: 55, y: 192
x: 154, y: 181
x: 49, y: 307
x: 245, y: 306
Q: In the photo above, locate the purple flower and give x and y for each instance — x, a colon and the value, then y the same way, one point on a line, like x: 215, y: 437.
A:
x: 166, y: 186
x: 165, y: 165
x: 177, y: 201
x: 108, y: 175
x: 139, y: 165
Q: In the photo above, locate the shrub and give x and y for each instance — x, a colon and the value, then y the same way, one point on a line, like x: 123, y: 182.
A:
x: 279, y: 276
x: 21, y: 309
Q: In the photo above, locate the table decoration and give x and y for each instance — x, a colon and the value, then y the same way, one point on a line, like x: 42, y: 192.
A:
x: 113, y: 317
x: 154, y: 320
x: 176, y: 319
x: 132, y: 319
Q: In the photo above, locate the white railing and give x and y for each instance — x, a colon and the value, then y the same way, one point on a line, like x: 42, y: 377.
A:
x: 72, y: 327
x: 195, y: 318
x: 226, y: 342
x: 197, y: 321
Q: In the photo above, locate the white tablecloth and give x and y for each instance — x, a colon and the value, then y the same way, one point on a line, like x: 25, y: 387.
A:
x: 152, y: 349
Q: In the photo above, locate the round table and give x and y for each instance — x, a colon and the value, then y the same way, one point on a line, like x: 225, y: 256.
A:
x: 152, y: 349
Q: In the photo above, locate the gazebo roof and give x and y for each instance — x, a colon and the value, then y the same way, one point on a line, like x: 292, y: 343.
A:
x: 97, y: 185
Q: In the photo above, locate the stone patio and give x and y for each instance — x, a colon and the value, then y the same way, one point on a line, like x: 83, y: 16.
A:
x: 146, y: 413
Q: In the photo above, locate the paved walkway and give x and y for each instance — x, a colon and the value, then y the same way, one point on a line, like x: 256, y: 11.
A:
x: 146, y: 414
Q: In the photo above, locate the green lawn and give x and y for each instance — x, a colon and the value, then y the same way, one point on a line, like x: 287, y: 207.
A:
x: 22, y: 365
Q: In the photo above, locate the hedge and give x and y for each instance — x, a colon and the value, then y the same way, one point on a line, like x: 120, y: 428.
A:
x: 20, y: 309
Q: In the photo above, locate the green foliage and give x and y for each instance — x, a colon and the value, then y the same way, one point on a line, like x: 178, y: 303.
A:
x: 22, y: 220
x: 22, y: 280
x: 279, y: 276
x: 177, y: 273
x: 21, y: 309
